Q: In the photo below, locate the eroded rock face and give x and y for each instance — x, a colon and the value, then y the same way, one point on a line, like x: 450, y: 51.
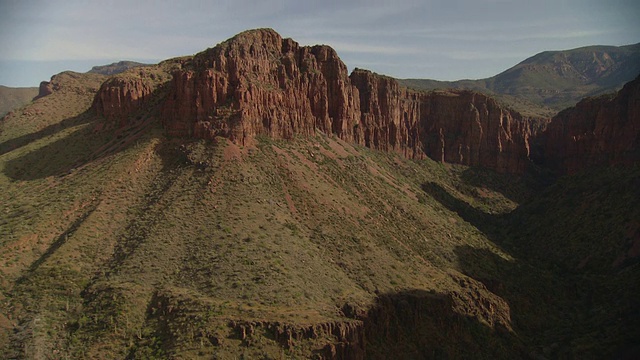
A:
x: 391, y: 117
x: 600, y: 131
x: 122, y: 96
x: 469, y: 128
x: 260, y: 84
x: 461, y: 127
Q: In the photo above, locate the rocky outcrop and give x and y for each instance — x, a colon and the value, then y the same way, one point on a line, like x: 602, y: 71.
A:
x: 461, y: 127
x: 260, y: 84
x: 406, y: 324
x: 417, y: 324
x: 342, y: 339
x: 600, y: 131
x: 69, y: 81
x: 469, y: 128
x: 46, y: 88
x: 121, y: 96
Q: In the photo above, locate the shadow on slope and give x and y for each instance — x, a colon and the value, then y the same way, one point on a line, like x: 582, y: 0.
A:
x: 418, y: 324
x: 487, y: 223
x: 560, y: 317
x: 567, y: 299
x: 513, y: 187
x: 56, y: 158
x: 67, y: 153
x: 27, y: 139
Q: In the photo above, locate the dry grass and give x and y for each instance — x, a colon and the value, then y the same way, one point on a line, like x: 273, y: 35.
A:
x: 146, y: 246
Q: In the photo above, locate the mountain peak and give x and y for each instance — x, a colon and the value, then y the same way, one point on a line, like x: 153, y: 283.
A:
x: 256, y: 35
x: 259, y: 84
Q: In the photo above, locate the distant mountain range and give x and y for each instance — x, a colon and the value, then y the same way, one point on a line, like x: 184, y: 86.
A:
x: 551, y: 81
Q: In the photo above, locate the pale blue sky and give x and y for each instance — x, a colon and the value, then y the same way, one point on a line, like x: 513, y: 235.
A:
x: 437, y: 39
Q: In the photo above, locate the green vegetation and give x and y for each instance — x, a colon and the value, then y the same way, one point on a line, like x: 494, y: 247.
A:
x: 551, y: 81
x: 14, y: 98
x: 143, y: 246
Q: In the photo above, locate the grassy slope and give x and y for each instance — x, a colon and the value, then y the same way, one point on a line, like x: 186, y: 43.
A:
x: 548, y: 82
x: 165, y: 247
x: 282, y: 232
x: 586, y: 227
x: 13, y: 98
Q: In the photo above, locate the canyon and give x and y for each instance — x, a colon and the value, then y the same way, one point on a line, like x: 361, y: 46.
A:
x: 257, y: 200
x: 259, y: 84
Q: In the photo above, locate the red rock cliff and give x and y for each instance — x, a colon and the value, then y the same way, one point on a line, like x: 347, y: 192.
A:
x: 600, y: 131
x: 258, y: 83
x: 460, y: 127
x: 123, y: 95
x: 390, y: 115
x: 469, y: 128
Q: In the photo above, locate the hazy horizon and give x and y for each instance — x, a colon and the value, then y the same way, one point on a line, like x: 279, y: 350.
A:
x: 441, y: 40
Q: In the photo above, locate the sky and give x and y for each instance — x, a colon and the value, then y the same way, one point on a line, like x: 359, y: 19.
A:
x: 434, y: 39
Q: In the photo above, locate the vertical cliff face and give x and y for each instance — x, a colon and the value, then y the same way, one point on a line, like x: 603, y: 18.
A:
x: 390, y: 115
x: 469, y: 128
x: 599, y: 131
x: 258, y: 83
x: 460, y: 127
x: 119, y: 97
x: 122, y: 96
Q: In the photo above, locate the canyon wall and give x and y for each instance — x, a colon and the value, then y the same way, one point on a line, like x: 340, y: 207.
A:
x: 600, y: 131
x: 469, y: 128
x: 456, y: 126
x: 258, y: 83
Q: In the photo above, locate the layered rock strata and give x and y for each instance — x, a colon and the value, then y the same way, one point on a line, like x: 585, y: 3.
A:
x: 259, y: 84
x: 600, y: 131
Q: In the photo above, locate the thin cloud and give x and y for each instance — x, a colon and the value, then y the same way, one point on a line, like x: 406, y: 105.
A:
x: 397, y: 37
